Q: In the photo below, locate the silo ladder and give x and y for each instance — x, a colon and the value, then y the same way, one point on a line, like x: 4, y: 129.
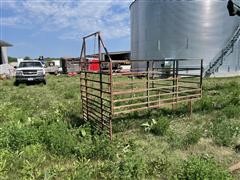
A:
x: 218, y: 60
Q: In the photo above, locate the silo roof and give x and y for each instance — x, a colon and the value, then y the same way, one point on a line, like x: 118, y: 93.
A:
x: 5, y: 44
x: 132, y: 3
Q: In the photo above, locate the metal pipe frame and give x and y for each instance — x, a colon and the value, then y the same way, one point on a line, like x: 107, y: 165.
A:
x: 106, y: 95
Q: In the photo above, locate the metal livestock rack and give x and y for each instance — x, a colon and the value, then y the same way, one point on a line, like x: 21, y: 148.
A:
x: 106, y: 94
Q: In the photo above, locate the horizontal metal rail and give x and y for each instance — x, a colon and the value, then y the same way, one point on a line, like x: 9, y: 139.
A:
x: 97, y: 81
x: 92, y: 72
x: 158, y: 101
x: 94, y: 95
x: 97, y: 105
x: 157, y: 95
x: 96, y: 89
x: 140, y: 90
x: 151, y: 107
x: 142, y: 81
x: 94, y: 113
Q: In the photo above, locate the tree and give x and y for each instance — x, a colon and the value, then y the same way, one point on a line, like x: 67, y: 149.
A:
x: 26, y: 58
x: 12, y: 59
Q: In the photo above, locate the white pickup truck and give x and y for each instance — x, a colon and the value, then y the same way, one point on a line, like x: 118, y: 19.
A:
x: 30, y: 71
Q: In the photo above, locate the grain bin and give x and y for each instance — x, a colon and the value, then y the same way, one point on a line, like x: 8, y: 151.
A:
x: 184, y: 29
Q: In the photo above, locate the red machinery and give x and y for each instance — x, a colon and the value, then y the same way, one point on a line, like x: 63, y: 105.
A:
x: 93, y: 64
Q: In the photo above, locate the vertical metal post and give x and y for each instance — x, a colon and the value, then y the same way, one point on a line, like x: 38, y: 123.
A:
x: 177, y: 88
x: 153, y: 73
x: 132, y: 94
x: 81, y: 93
x: 148, y: 84
x: 173, y: 83
x: 81, y: 54
x: 111, y: 98
x: 201, y: 76
x: 81, y: 68
x: 101, y: 79
x: 86, y: 76
x: 110, y: 87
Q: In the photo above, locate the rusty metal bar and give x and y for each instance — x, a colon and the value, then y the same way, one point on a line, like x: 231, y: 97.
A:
x: 90, y: 102
x: 156, y: 101
x: 111, y: 98
x: 147, y: 85
x: 152, y: 96
x: 90, y: 35
x: 188, y: 87
x: 92, y: 72
x: 189, y: 75
x: 190, y: 82
x: 94, y: 111
x: 94, y: 101
x: 141, y: 81
x: 201, y: 73
x: 99, y: 90
x: 150, y: 107
x: 95, y: 81
x: 141, y: 90
x: 94, y: 95
x: 100, y: 79
x: 177, y: 85
x: 174, y: 84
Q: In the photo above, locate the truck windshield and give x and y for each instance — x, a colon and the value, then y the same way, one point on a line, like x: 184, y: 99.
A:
x: 30, y: 64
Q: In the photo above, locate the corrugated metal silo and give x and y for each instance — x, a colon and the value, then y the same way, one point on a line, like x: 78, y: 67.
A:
x: 183, y: 29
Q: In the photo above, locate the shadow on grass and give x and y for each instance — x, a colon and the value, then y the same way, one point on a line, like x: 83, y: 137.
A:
x: 134, y: 120
x: 75, y: 120
x: 29, y: 83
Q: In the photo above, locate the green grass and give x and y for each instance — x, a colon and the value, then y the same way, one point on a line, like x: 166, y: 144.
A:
x: 42, y: 136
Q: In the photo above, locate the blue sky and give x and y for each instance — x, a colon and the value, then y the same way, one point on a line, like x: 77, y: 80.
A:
x: 54, y: 28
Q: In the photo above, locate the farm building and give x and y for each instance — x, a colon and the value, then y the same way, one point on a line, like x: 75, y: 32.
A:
x: 120, y: 59
x: 3, y: 52
x: 168, y: 29
x: 119, y: 55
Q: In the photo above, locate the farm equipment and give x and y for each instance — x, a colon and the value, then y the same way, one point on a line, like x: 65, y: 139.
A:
x: 70, y: 65
x: 93, y: 64
x: 51, y: 68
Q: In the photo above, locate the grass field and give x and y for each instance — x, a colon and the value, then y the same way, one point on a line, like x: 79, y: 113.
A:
x: 42, y: 136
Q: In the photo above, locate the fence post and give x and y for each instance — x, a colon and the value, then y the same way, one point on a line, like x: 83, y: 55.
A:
x: 173, y: 88
x: 201, y: 76
x: 100, y: 79
x: 153, y: 73
x: 111, y: 99
x: 177, y: 88
x: 148, y: 84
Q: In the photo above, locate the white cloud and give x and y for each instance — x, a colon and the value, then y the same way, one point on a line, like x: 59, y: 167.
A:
x: 72, y: 18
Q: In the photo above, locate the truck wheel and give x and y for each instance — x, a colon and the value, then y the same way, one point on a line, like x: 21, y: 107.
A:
x: 44, y: 82
x: 16, y: 83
